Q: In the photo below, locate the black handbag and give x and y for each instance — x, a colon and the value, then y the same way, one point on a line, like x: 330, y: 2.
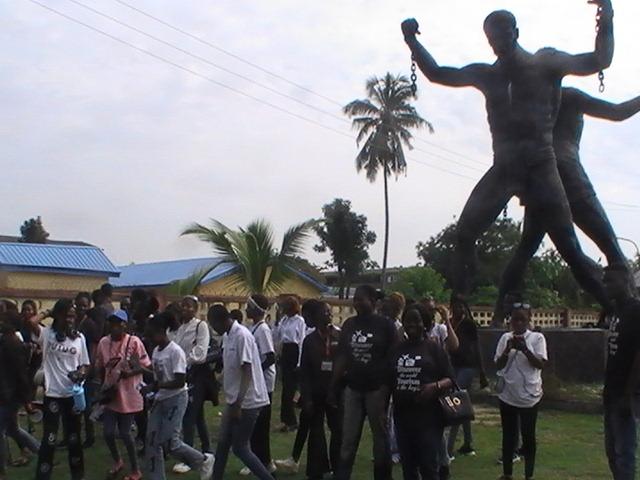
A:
x: 108, y: 394
x: 456, y: 406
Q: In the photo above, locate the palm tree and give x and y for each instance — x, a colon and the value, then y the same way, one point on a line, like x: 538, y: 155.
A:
x: 383, y: 121
x: 188, y: 286
x: 260, y: 268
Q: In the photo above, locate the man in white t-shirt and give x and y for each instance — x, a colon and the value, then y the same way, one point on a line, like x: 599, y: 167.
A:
x: 245, y: 393
x: 257, y: 306
x: 520, y: 358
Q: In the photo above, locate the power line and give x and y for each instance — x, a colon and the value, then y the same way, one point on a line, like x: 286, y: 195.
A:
x: 226, y: 52
x: 248, y: 79
x: 273, y: 74
x: 222, y: 85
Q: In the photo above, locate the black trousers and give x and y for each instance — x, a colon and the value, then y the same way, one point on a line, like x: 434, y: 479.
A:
x: 261, y: 438
x: 301, y: 437
x: 194, y: 415
x: 420, y: 443
x: 54, y: 410
x: 528, y: 417
x: 319, y: 459
x: 289, y: 367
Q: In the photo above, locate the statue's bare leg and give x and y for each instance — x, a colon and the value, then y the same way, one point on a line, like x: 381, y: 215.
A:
x: 512, y: 278
x: 485, y: 203
x: 591, y: 218
x: 549, y: 205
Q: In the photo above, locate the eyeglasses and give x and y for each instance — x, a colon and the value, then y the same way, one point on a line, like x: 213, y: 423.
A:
x: 523, y: 306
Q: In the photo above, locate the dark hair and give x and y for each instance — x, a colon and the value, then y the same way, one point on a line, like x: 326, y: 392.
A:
x: 160, y: 322
x: 107, y: 289
x: 410, y: 310
x: 291, y: 303
x: 10, y: 305
x: 371, y: 292
x: 237, y: 315
x: 426, y: 313
x: 217, y: 313
x: 500, y: 18
x: 98, y: 297
x: 9, y: 322
x: 261, y: 300
x: 173, y: 310
x: 86, y: 295
x: 312, y: 308
x: 139, y: 295
x: 59, y: 314
x: 30, y: 302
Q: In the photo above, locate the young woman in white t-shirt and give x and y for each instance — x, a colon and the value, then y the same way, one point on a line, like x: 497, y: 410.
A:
x: 164, y: 427
x: 65, y: 363
x: 520, y: 358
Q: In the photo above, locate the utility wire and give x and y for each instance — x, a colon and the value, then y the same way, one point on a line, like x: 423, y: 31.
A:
x: 273, y: 74
x: 222, y: 85
x: 248, y: 79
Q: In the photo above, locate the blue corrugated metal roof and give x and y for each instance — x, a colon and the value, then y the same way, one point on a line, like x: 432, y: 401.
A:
x: 163, y: 273
x: 158, y: 274
x: 71, y: 259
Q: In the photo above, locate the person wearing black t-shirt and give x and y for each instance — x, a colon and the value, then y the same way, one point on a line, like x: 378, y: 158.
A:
x: 420, y: 371
x: 622, y: 382
x: 366, y: 343
x: 467, y: 363
x: 316, y: 367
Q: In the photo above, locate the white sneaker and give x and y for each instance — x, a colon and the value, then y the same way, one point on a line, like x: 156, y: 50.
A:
x: 206, y: 470
x: 287, y: 466
x: 181, y: 468
x: 245, y: 472
x: 272, y: 467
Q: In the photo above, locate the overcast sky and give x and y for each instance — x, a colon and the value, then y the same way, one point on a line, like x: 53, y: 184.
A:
x: 120, y: 149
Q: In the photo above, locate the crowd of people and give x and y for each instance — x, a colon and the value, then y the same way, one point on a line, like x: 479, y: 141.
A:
x: 397, y: 363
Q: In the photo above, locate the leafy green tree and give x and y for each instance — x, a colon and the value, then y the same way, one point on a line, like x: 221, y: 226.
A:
x: 345, y: 234
x: 494, y: 249
x: 33, y: 231
x: 384, y: 121
x: 418, y: 282
x: 261, y: 268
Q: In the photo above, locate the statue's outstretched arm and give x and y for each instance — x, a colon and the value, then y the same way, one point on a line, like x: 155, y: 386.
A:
x: 592, y: 62
x: 469, y: 76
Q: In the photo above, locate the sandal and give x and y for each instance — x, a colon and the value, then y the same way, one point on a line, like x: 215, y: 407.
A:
x: 137, y: 475
x: 116, y: 469
x: 21, y: 462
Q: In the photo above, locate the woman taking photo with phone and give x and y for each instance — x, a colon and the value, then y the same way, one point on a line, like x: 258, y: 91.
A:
x: 520, y: 358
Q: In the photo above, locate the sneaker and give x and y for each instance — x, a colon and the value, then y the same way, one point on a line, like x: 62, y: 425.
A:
x: 245, y: 472
x: 272, y: 467
x: 287, y: 466
x: 467, y: 450
x: 206, y: 470
x: 181, y: 468
x: 516, y: 459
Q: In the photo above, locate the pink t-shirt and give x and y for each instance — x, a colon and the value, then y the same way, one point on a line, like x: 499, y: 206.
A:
x: 112, y: 357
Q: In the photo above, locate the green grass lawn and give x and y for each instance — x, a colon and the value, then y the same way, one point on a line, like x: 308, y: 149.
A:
x: 569, y: 446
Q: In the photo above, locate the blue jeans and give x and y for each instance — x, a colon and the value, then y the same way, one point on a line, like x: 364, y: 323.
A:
x: 163, y: 430
x: 235, y: 434
x: 620, y: 438
x: 358, y: 406
x: 464, y: 379
x: 9, y: 428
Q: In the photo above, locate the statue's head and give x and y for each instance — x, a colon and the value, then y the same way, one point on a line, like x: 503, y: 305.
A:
x: 502, y: 32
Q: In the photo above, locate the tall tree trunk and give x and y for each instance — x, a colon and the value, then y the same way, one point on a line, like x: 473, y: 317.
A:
x: 386, y: 228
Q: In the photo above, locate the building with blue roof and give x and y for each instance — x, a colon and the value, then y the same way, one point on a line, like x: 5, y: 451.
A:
x: 215, y: 284
x: 50, y: 271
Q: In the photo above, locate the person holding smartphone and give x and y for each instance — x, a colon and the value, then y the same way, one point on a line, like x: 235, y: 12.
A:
x: 520, y: 357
